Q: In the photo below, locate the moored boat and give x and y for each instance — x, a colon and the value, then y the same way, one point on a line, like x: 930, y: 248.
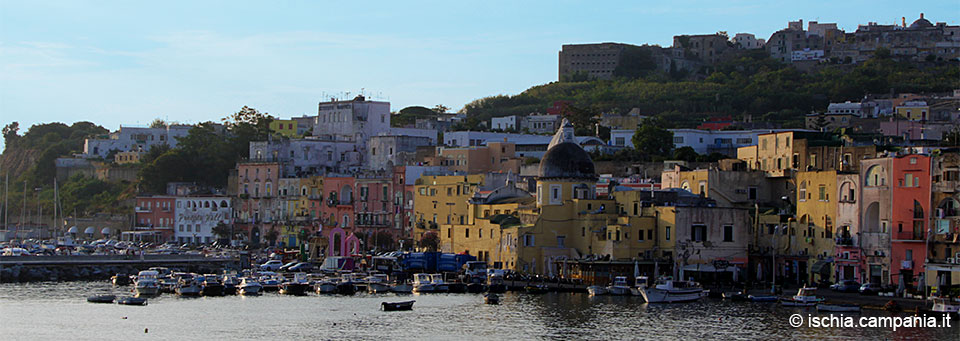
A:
x: 147, y: 283
x: 805, y: 297
x: 270, y: 282
x: 347, y: 285
x: 422, y: 283
x: 763, y: 298
x: 438, y: 284
x: 130, y: 300
x: 377, y: 284
x: 942, y: 306
x: 326, y: 286
x: 250, y: 286
x: 101, y: 298
x: 296, y: 286
x: 491, y: 298
x: 736, y: 296
x: 210, y: 285
x: 187, y: 286
x: 397, y: 306
x: 597, y: 290
x: 120, y: 279
x: 230, y: 284
x: 402, y: 288
x: 619, y: 287
x: 670, y: 291
x: 475, y: 288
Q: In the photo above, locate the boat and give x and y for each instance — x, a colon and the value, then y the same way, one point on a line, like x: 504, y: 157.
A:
x: 669, y: 291
x: 347, y: 285
x: 377, y: 284
x: 250, y: 286
x: 619, y: 287
x: 130, y: 300
x: 210, y: 285
x: 230, y: 284
x: 101, y: 298
x: 438, y: 284
x: 491, y: 298
x: 397, y: 306
x: 763, y: 298
x: 296, y: 286
x: 270, y: 282
x: 147, y: 283
x: 422, y: 283
x: 495, y: 283
x: 456, y: 288
x: 187, y: 286
x: 736, y: 296
x: 402, y: 288
x: 829, y: 307
x: 941, y: 306
x: 597, y: 290
x: 805, y: 297
x: 326, y: 286
x: 475, y: 288
x: 120, y: 279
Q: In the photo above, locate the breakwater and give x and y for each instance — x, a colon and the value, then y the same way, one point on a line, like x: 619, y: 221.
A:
x: 101, y: 267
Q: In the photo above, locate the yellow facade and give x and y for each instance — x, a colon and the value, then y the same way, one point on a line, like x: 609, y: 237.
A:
x: 311, y: 196
x: 914, y: 113
x: 817, y: 212
x: 442, y: 200
x: 286, y: 128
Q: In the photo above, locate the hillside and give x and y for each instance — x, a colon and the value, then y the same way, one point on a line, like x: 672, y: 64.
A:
x: 752, y: 84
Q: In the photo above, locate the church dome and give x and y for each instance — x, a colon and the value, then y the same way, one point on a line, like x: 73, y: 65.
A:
x: 567, y: 160
x: 921, y: 23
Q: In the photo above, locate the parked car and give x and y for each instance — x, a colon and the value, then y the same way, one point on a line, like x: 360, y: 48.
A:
x: 272, y: 265
x: 301, y: 267
x: 846, y: 286
x: 287, y: 266
x: 870, y: 289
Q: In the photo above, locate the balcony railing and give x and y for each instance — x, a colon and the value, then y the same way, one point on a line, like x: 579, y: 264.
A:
x: 844, y: 241
x: 909, y: 235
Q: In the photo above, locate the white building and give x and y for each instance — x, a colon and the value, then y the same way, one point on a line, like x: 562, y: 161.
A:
x: 504, y: 123
x: 807, y: 54
x: 310, y: 156
x: 527, y: 145
x: 702, y: 141
x: 386, y: 151
x: 134, y: 139
x: 541, y: 124
x: 747, y: 41
x: 353, y: 120
x: 195, y: 218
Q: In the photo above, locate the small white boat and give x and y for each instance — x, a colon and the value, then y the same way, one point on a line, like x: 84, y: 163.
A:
x: 619, y: 287
x: 402, y: 288
x: 187, y: 286
x: 422, y: 283
x: 438, y: 284
x: 147, y: 283
x: 838, y: 307
x: 377, y: 284
x: 670, y: 291
x: 942, y: 306
x: 597, y: 290
x: 250, y: 286
x: 805, y: 297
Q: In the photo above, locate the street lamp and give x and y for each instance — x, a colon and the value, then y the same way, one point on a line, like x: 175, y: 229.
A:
x: 773, y: 256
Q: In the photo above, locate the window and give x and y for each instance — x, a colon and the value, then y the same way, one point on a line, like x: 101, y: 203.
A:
x: 822, y: 195
x: 908, y: 180
x: 802, y: 192
x: 640, y: 235
x: 561, y: 241
x: 703, y: 188
x: 677, y: 139
x: 466, y: 233
x: 528, y: 240
x: 649, y: 234
x: 667, y: 232
x: 728, y: 233
x: 698, y: 233
x: 752, y: 193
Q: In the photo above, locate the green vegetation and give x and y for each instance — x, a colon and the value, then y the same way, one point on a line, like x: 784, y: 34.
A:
x: 752, y: 84
x: 409, y: 115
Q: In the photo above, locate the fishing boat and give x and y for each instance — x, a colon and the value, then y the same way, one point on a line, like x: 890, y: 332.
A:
x: 670, y: 291
x: 805, y: 297
x: 187, y: 286
x: 101, y: 298
x: 397, y: 306
x: 840, y: 308
x: 147, y: 283
x: 250, y: 286
x: 941, y: 306
x: 129, y: 300
x: 597, y: 290
x: 347, y: 284
x: 422, y: 283
x: 438, y: 284
x: 619, y: 287
x: 491, y: 298
x: 296, y: 286
x: 377, y: 284
x: 763, y: 298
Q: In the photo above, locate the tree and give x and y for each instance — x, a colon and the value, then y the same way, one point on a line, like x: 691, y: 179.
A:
x: 10, y: 134
x: 653, y: 139
x: 430, y: 241
x: 272, y: 236
x: 158, y: 123
x: 685, y: 153
x: 222, y: 231
x: 384, y: 241
x: 440, y: 109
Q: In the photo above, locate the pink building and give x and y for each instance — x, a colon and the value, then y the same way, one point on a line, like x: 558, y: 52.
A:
x: 257, y: 207
x: 155, y: 217
x: 911, y: 209
x: 337, y: 212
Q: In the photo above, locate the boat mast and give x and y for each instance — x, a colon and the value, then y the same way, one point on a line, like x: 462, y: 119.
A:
x: 55, y: 201
x: 23, y: 212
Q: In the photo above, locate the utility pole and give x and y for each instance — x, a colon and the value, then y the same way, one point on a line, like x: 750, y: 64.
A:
x: 23, y: 212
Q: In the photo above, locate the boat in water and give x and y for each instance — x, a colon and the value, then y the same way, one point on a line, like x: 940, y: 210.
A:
x: 147, y: 283
x: 187, y: 286
x: 597, y: 290
x: 439, y: 285
x: 130, y: 300
x: 210, y: 285
x: 738, y: 296
x: 402, y: 288
x: 805, y: 297
x: 841, y: 308
x: 491, y: 298
x: 942, y: 306
x: 230, y: 284
x: 378, y: 284
x: 120, y: 279
x: 423, y: 283
x: 763, y: 298
x: 250, y: 286
x: 671, y: 291
x: 619, y: 287
x: 270, y: 282
x: 347, y: 284
x: 397, y: 306
x: 296, y: 286
x: 101, y: 298
x: 476, y: 288
x: 326, y: 286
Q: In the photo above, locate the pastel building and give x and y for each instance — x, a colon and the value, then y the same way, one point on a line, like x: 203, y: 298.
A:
x: 910, y: 217
x: 196, y: 218
x: 134, y: 139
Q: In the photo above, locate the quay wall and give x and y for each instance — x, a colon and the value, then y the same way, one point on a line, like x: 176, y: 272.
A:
x: 101, y: 267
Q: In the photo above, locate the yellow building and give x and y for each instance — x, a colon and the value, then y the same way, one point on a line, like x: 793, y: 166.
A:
x: 913, y: 111
x: 311, y: 196
x: 442, y: 199
x: 286, y: 128
x: 779, y: 154
x: 817, y: 212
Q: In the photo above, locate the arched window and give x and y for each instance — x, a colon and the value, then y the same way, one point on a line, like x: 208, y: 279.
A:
x: 847, y: 192
x: 876, y: 176
x: 206, y: 204
x: 917, y: 210
x: 685, y: 186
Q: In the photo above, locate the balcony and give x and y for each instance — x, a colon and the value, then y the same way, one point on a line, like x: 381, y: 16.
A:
x: 946, y: 186
x: 139, y: 209
x: 844, y: 241
x: 909, y: 236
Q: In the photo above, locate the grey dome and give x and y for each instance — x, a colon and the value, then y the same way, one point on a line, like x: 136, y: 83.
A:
x: 567, y: 160
x: 921, y: 23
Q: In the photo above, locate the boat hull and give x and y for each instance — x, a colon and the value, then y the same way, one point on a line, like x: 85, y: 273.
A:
x: 326, y: 288
x: 192, y: 290
x: 654, y: 295
x: 101, y: 299
x: 294, y: 288
x: 397, y: 306
x: 147, y: 290
x: 132, y: 301
x: 378, y: 288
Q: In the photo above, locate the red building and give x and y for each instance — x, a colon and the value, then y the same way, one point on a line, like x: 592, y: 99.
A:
x: 155, y: 219
x: 911, y: 207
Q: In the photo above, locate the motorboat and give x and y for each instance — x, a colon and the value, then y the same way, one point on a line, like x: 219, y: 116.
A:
x: 130, y: 300
x: 438, y: 284
x: 347, y: 284
x: 147, y: 283
x: 270, y: 282
x: 736, y: 296
x: 619, y: 287
x: 423, y: 283
x: 187, y: 286
x: 843, y: 308
x: 402, y: 288
x: 763, y: 298
x: 296, y: 286
x: 101, y: 298
x: 230, y: 284
x: 942, y: 306
x: 250, y: 286
x: 670, y: 291
x: 597, y: 290
x: 377, y: 284
x: 397, y: 306
x: 326, y: 286
x: 491, y: 298
x: 805, y: 297
x: 210, y: 285
x: 642, y: 282
x: 120, y: 279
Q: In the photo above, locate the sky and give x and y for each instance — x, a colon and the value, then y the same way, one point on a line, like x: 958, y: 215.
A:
x: 129, y: 62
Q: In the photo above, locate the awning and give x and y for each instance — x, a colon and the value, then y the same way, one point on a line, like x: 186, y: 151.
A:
x: 821, y: 267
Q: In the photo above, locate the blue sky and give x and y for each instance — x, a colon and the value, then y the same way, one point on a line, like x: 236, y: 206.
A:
x: 129, y: 62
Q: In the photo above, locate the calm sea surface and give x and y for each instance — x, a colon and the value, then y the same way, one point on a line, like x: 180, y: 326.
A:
x: 43, y: 311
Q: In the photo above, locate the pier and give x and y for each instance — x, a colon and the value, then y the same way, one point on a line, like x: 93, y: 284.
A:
x: 95, y: 267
